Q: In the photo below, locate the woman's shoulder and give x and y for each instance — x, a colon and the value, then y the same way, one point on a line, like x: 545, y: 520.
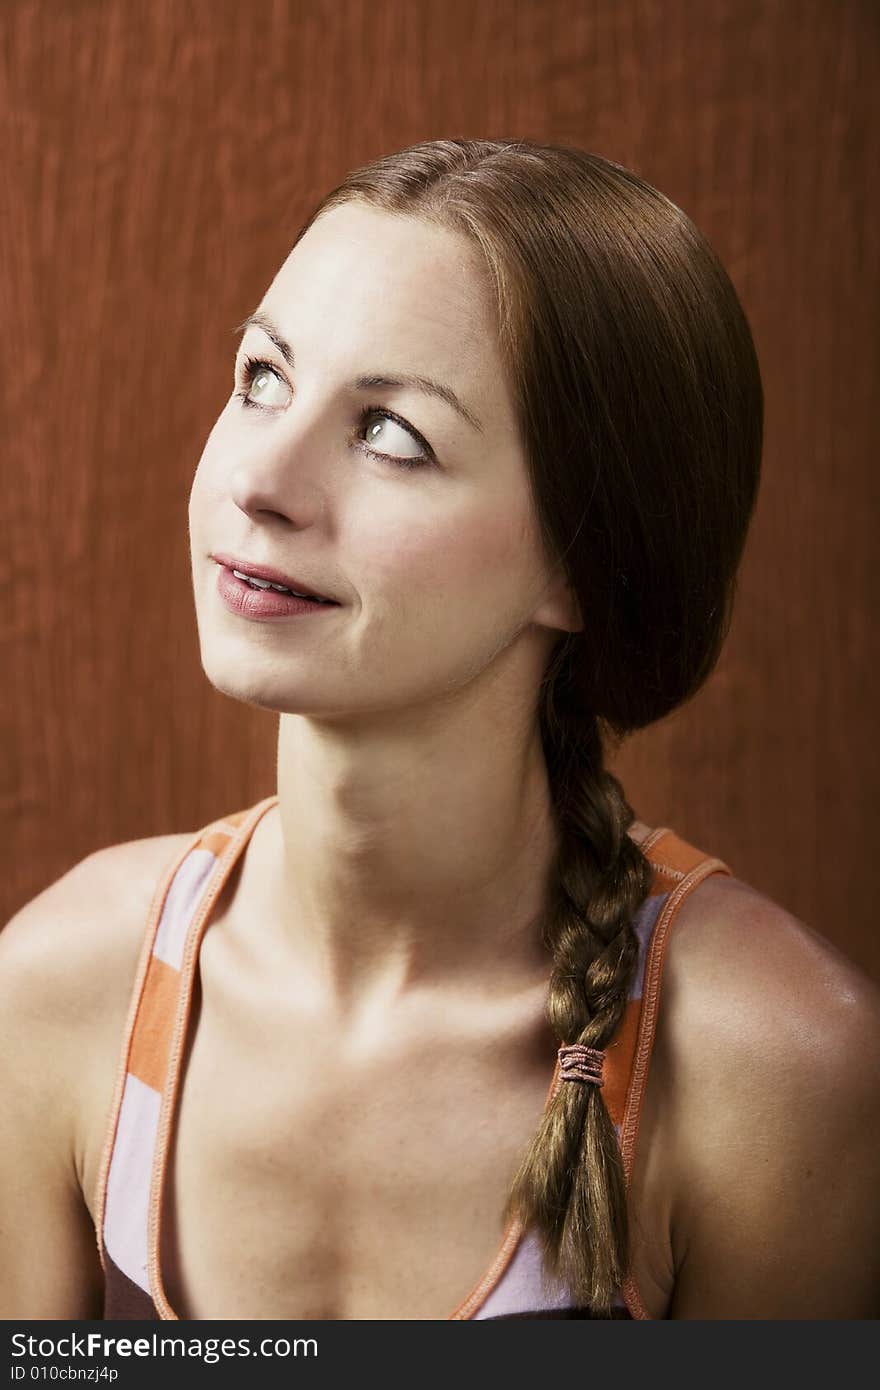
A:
x: 767, y: 1052
x: 744, y: 966
x: 65, y: 941
x: 68, y: 962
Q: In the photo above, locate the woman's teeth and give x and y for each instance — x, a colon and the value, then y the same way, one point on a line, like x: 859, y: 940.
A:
x: 282, y: 589
x: 263, y: 583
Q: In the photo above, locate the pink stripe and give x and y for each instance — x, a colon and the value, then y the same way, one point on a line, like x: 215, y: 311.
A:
x: 524, y: 1286
x: 128, y: 1182
x: 181, y: 901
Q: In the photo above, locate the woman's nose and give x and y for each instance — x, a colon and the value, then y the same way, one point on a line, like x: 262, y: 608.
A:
x: 280, y: 481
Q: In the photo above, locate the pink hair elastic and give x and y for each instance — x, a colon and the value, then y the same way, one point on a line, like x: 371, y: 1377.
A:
x: 580, y: 1063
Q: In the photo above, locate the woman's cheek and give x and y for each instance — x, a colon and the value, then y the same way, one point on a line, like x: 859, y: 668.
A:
x: 433, y: 555
x: 407, y: 553
x: 498, y: 545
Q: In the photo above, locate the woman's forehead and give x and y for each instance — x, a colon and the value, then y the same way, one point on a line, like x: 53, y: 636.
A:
x: 393, y: 263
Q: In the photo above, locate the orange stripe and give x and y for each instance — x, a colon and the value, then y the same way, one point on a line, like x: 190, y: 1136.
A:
x: 619, y: 1056
x: 216, y: 836
x: 152, y: 1036
x: 215, y: 841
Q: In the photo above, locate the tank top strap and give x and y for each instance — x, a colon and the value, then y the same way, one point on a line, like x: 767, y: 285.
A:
x: 128, y: 1194
x: 678, y: 868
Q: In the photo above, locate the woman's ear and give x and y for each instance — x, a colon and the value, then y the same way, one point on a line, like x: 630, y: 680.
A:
x: 560, y: 609
x: 574, y: 621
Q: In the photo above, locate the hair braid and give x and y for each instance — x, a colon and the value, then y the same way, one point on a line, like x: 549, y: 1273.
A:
x: 570, y: 1186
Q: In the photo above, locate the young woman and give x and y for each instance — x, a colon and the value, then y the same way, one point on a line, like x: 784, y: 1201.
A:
x: 381, y: 1045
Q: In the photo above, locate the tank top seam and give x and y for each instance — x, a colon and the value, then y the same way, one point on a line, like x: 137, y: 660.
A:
x: 667, y: 871
x: 491, y: 1277
x: 651, y: 988
x: 216, y: 880
x: 154, y: 915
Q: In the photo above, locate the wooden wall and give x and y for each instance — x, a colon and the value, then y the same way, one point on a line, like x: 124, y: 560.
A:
x: 158, y: 159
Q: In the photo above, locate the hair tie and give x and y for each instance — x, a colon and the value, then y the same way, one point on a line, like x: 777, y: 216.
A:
x: 580, y: 1063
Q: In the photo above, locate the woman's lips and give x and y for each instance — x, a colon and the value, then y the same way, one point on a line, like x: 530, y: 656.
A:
x: 269, y: 573
x: 259, y: 604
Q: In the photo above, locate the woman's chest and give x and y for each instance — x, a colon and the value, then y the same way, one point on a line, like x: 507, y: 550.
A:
x: 300, y: 1186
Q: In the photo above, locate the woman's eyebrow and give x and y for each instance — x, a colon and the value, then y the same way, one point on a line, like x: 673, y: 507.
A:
x: 373, y: 380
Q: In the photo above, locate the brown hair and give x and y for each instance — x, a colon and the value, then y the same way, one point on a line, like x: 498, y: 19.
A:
x: 640, y: 405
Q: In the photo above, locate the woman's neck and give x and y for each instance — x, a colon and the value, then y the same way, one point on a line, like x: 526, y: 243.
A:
x: 394, y: 862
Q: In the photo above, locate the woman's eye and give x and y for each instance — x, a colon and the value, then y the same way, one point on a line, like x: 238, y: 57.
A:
x: 259, y: 377
x: 381, y: 427
x: 375, y: 423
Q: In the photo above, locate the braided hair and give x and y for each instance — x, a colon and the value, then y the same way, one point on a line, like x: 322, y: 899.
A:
x: 639, y: 402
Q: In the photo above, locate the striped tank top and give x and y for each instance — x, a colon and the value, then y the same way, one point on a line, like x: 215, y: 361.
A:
x: 131, y: 1178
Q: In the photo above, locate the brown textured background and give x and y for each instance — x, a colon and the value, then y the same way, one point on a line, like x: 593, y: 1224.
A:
x: 158, y: 158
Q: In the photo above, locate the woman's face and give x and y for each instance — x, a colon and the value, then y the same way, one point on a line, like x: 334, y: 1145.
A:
x: 429, y: 544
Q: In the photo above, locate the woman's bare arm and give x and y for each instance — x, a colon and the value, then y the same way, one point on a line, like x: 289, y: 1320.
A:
x: 49, y: 1265
x: 775, y: 1044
